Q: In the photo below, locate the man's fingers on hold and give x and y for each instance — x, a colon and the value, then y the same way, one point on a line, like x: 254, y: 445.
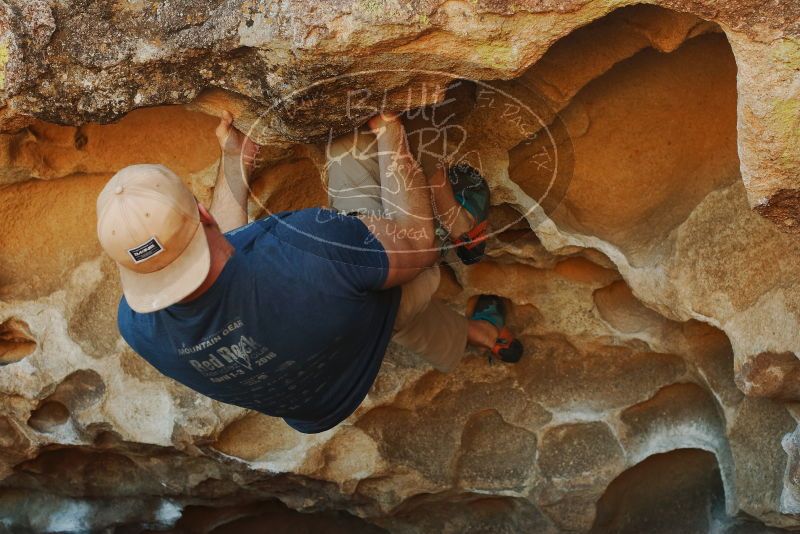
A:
x: 222, y: 130
x: 224, y: 126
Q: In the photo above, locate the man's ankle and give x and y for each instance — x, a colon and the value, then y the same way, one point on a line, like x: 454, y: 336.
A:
x: 482, y: 333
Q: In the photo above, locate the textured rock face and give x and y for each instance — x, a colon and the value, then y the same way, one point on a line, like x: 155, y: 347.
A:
x: 660, y: 312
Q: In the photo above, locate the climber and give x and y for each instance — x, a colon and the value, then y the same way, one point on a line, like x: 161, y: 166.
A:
x: 291, y: 315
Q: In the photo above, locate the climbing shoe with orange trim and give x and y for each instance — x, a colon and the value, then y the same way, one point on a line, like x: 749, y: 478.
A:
x: 491, y: 308
x: 472, y: 192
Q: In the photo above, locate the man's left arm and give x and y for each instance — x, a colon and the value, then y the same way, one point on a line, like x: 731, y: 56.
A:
x: 229, y: 203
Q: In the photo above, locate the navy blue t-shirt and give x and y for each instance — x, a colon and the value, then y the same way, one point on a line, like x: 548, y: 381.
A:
x: 296, y: 325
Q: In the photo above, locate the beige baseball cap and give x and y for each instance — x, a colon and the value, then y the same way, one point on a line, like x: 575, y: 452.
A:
x: 148, y: 222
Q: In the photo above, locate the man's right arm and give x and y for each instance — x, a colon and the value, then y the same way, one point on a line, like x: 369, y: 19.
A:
x: 229, y: 204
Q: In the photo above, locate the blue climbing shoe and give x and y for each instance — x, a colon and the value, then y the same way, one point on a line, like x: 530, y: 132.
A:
x: 491, y: 308
x: 472, y: 192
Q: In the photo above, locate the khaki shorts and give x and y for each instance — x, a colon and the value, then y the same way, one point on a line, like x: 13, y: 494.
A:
x: 424, y: 325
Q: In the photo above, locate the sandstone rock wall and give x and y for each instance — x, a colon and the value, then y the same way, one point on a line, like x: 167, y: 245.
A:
x: 659, y: 311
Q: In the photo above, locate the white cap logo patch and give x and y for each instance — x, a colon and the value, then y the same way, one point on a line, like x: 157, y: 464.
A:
x: 146, y: 250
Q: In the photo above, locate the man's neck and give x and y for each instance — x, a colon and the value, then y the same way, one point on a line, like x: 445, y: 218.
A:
x: 221, y: 251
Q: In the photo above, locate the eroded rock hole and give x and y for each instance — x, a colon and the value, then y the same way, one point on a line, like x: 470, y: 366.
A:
x: 676, y: 491
x: 79, y: 390
x: 16, y: 341
x: 634, y: 154
x: 48, y: 416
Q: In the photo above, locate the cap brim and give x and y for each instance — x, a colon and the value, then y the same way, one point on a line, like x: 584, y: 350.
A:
x: 149, y: 292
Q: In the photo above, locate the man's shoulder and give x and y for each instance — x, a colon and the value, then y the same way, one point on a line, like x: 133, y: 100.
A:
x: 321, y: 228
x: 249, y: 231
x: 311, y: 229
x: 272, y: 224
x: 129, y: 323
